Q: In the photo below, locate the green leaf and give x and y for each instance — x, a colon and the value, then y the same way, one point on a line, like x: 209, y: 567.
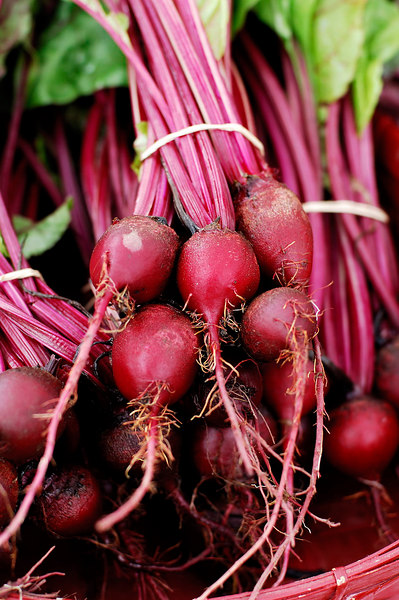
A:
x: 75, y: 57
x: 337, y: 43
x: 241, y: 8
x: 140, y: 144
x: 215, y: 16
x: 381, y: 45
x: 38, y: 237
x: 277, y: 15
x: 16, y: 21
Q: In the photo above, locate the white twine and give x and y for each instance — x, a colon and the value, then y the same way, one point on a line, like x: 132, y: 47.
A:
x: 237, y: 127
x: 346, y: 206
x: 20, y: 274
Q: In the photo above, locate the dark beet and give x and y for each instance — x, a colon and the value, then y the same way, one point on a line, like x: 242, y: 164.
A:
x: 9, y: 490
x: 71, y: 501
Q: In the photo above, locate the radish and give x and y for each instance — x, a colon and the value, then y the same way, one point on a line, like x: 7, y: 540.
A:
x: 279, y: 320
x: 272, y: 218
x: 28, y: 395
x: 9, y: 490
x: 216, y: 272
x: 154, y: 361
x: 71, y: 501
x: 363, y: 439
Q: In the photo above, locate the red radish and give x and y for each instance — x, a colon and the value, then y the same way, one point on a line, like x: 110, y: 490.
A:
x: 28, y: 396
x: 138, y: 253
x: 277, y: 320
x: 214, y: 449
x: 216, y: 272
x: 387, y: 372
x: 9, y: 490
x: 272, y: 218
x: 71, y: 501
x: 363, y: 437
x: 154, y: 360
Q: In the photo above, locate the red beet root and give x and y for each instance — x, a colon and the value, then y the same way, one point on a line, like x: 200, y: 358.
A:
x: 217, y: 271
x: 158, y: 348
x: 136, y: 252
x: 9, y: 490
x: 279, y: 319
x: 71, y: 501
x: 27, y: 397
x: 387, y: 372
x: 214, y: 449
x: 272, y: 218
x: 363, y: 437
x: 279, y: 389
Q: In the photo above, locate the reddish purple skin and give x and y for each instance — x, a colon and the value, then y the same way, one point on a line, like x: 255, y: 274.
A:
x: 71, y: 501
x: 248, y: 385
x: 157, y: 346
x: 363, y: 437
x: 275, y: 321
x: 387, y: 372
x: 118, y: 445
x: 9, y: 487
x: 24, y: 393
x: 278, y: 391
x: 139, y: 253
x: 272, y: 218
x: 214, y: 449
x: 216, y: 267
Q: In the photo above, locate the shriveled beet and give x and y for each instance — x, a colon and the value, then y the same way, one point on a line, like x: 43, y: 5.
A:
x: 137, y: 252
x: 280, y: 319
x: 214, y: 451
x: 71, y: 501
x: 363, y: 437
x: 9, y: 490
x: 119, y: 443
x: 158, y: 347
x: 272, y: 218
x: 27, y: 397
x: 387, y: 372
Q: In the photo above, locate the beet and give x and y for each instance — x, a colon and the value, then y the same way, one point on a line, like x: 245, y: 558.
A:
x: 363, y: 437
x: 272, y: 218
x: 138, y: 253
x: 9, y: 491
x: 71, y: 501
x: 277, y: 320
x: 157, y: 348
x: 27, y: 397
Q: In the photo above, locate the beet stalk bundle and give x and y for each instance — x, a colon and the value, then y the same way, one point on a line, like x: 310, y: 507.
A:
x: 183, y: 91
